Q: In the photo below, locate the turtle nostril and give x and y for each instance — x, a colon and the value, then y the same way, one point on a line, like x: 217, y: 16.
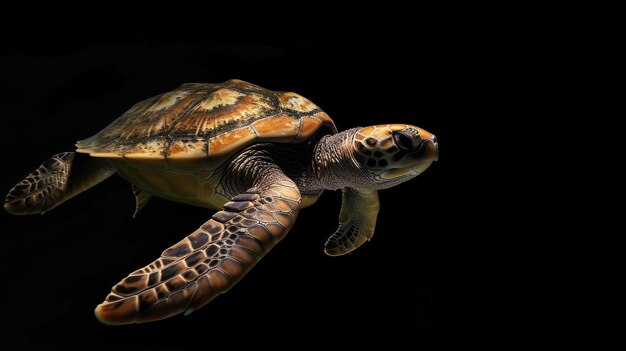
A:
x: 434, y: 139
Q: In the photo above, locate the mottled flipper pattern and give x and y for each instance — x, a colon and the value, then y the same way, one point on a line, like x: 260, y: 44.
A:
x: 357, y: 221
x: 209, y: 261
x: 59, y: 178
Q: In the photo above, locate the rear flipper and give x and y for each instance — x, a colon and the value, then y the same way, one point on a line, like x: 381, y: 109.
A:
x: 58, y: 179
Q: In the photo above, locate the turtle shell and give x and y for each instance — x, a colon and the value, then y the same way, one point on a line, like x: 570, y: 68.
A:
x: 197, y: 126
x: 171, y: 145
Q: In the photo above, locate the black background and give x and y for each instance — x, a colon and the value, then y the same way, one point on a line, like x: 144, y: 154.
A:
x: 419, y: 275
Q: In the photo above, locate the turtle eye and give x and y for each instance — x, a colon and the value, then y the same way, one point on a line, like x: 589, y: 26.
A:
x: 403, y: 141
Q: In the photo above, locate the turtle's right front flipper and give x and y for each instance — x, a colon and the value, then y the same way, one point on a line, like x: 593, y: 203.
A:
x: 357, y: 221
x: 209, y: 261
x: 58, y: 179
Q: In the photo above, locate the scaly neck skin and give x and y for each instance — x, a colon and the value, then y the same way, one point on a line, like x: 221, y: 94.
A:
x: 333, y: 165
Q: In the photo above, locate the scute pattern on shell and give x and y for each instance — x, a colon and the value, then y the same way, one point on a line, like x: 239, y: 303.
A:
x: 207, y: 120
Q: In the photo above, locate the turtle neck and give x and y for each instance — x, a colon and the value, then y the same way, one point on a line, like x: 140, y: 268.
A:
x: 333, y: 165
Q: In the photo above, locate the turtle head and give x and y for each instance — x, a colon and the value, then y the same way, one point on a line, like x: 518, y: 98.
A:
x: 394, y: 153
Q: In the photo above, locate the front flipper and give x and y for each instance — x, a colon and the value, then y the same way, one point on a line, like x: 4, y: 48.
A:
x: 357, y: 221
x: 209, y: 261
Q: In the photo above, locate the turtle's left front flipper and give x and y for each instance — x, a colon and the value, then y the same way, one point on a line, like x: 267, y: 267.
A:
x: 58, y: 179
x: 209, y: 261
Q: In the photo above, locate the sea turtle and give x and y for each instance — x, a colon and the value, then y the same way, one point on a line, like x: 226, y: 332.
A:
x: 255, y: 155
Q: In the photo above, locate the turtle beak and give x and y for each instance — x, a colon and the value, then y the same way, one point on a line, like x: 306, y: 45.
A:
x: 429, y: 154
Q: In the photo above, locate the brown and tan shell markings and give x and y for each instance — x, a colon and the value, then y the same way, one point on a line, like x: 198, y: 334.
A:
x: 197, y: 126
